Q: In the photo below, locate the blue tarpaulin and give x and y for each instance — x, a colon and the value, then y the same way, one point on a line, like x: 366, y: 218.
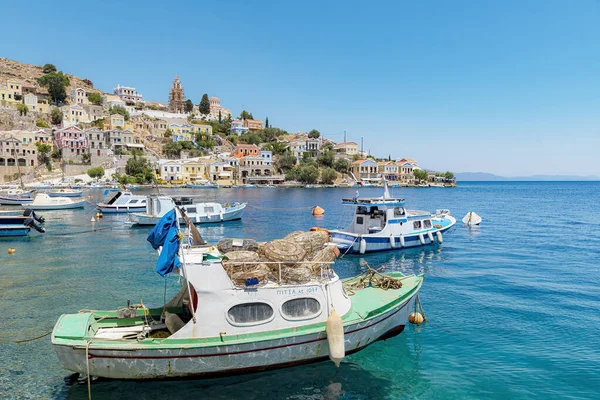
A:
x: 165, y: 234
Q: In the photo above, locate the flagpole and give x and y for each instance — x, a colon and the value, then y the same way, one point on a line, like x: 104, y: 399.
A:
x: 184, y: 266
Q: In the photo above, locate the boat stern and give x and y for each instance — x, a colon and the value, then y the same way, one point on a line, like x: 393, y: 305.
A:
x: 69, y: 338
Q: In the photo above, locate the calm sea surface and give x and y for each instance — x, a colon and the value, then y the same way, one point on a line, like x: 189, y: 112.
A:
x: 513, y: 306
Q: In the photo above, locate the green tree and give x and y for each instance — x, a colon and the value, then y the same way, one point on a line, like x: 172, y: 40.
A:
x: 204, y: 105
x: 186, y: 145
x: 96, y: 172
x: 40, y: 123
x: 420, y: 175
x: 341, y: 165
x: 449, y: 175
x: 286, y: 162
x: 246, y: 115
x: 85, y: 158
x: 95, y: 98
x: 267, y: 122
x: 277, y: 148
x: 43, y: 151
x: 22, y: 108
x: 250, y: 138
x: 56, y: 116
x: 98, y: 123
x: 271, y: 134
x: 220, y: 116
x: 119, y: 110
x: 168, y: 133
x: 56, y: 83
x: 48, y: 68
x: 308, y: 174
x: 328, y: 175
x: 188, y: 106
x: 325, y: 159
x: 314, y: 134
x: 172, y: 149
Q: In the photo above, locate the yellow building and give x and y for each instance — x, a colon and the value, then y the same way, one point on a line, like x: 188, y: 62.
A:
x: 116, y: 121
x: 73, y: 115
x: 347, y: 148
x: 7, y: 97
x: 34, y: 104
x: 194, y: 169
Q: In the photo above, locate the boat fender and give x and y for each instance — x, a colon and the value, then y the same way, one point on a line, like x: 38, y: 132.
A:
x: 430, y: 236
x: 402, y: 242
x: 29, y: 222
x: 439, y: 237
x: 334, y: 327
x: 11, y: 250
x: 363, y: 246
x: 221, y: 215
x: 173, y: 322
x: 415, y: 318
x: 392, y: 240
x: 30, y: 213
x: 421, y: 238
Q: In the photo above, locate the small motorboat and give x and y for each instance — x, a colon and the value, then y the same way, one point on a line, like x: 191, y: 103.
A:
x: 202, y: 185
x: 15, y: 197
x: 65, y: 193
x: 221, y: 324
x: 45, y: 202
x: 198, y: 213
x: 471, y: 219
x: 20, y: 225
x: 124, y: 202
x: 382, y: 223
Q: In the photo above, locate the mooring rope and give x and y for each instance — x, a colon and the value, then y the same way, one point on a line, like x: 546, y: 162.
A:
x: 25, y: 340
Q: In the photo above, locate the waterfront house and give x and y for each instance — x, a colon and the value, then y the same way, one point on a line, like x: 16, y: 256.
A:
x: 365, y: 169
x: 193, y: 169
x: 252, y: 169
x: 244, y: 150
x: 72, y: 142
x: 346, y: 148
x: 298, y: 148
x: 405, y: 171
x: 222, y: 173
x: 16, y: 157
x: 170, y: 170
x: 267, y: 157
x: 388, y: 169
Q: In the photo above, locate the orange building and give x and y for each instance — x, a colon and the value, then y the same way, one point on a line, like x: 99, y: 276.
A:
x: 244, y: 150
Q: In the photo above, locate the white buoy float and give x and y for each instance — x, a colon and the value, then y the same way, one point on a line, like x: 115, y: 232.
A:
x: 402, y: 242
x: 471, y: 219
x: 334, y: 328
x: 430, y: 236
x: 93, y: 219
x: 439, y: 237
x: 363, y: 246
x: 421, y: 238
x: 392, y: 240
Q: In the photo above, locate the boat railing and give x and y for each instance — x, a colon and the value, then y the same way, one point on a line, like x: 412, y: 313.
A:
x: 320, y: 271
x: 416, y: 213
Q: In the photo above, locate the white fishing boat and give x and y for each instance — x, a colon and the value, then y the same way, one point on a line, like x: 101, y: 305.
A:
x: 382, y: 223
x: 202, y: 184
x: 124, y: 202
x: 15, y: 197
x: 198, y: 213
x: 217, y: 325
x: 43, y: 201
x: 66, y: 192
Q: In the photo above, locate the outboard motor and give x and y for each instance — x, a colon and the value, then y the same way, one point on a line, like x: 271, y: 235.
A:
x: 30, y: 213
x: 30, y: 222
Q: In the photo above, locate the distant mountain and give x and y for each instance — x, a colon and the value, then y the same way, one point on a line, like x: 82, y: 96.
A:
x: 485, y: 176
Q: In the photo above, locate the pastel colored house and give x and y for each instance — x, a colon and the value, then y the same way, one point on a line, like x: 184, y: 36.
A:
x: 117, y: 121
x: 34, y: 104
x: 78, y: 96
x: 74, y: 114
x: 222, y: 173
x: 346, y: 148
x: 365, y: 169
x: 388, y: 169
x: 72, y: 142
x: 245, y: 150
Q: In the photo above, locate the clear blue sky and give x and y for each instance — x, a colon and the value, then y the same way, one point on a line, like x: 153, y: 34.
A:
x: 509, y: 87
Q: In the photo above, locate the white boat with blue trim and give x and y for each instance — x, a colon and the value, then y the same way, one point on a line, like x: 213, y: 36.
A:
x: 124, y: 202
x: 382, y: 223
x: 198, y: 213
x: 65, y: 192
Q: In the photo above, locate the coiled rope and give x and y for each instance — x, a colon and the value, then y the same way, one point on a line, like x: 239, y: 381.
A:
x: 373, y: 278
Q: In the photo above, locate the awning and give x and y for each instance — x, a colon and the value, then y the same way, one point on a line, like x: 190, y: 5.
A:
x: 141, y: 146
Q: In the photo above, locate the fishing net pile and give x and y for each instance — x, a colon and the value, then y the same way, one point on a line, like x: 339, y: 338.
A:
x: 297, y: 258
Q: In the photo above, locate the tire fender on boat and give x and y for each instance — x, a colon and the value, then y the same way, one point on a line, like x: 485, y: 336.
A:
x: 402, y: 242
x: 421, y: 238
x: 439, y: 237
x: 430, y: 236
x: 363, y: 246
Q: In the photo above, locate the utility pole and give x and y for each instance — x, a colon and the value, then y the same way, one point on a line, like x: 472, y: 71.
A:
x: 344, y: 136
x: 361, y: 146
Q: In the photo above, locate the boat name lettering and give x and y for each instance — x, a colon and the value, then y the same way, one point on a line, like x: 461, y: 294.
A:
x: 287, y: 292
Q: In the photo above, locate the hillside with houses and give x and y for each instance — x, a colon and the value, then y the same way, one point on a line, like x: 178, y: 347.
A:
x: 56, y: 123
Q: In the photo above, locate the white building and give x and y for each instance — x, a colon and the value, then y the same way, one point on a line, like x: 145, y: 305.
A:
x: 78, y: 96
x: 267, y: 157
x: 171, y: 170
x: 127, y: 94
x: 215, y: 109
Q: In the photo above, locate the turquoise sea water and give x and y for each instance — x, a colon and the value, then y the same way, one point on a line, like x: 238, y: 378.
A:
x: 513, y: 306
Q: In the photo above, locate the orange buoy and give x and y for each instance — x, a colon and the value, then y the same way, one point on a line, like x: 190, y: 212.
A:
x: 11, y: 250
x: 416, y: 318
x: 99, y: 215
x: 318, y: 210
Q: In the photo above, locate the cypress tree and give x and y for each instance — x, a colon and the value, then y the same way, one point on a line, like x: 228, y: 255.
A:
x: 204, y: 105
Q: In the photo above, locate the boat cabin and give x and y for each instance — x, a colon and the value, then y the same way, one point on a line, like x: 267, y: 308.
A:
x: 371, y: 215
x: 126, y: 198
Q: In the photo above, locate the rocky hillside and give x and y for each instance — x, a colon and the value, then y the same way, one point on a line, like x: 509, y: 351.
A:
x: 27, y: 74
